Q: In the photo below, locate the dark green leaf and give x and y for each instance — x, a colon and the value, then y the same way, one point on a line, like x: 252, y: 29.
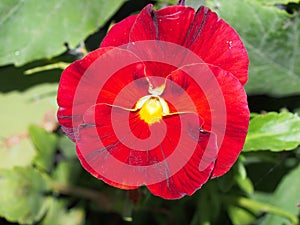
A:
x: 297, y: 111
x: 209, y: 198
x: 13, y: 79
x: 273, y: 131
x: 33, y: 29
x: 286, y: 197
x: 272, y: 2
x: 22, y: 193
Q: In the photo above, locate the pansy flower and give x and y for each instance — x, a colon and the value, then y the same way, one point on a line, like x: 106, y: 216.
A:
x: 161, y: 103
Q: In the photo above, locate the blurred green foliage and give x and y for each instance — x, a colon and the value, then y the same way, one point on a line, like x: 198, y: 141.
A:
x: 41, y: 179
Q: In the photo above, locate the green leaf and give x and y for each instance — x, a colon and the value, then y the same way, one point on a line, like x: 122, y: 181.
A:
x: 209, y: 198
x: 13, y: 79
x: 286, y: 197
x: 297, y: 111
x: 59, y: 214
x: 165, y: 3
x: 262, y: 196
x: 192, y: 3
x: 245, y: 184
x: 272, y: 38
x: 22, y: 193
x: 256, y: 207
x: 273, y: 131
x: 195, y: 3
x: 226, y: 182
x: 34, y: 106
x: 240, y: 177
x: 67, y: 172
x: 25, y: 108
x: 33, y: 29
x: 272, y: 2
x: 240, y: 216
x: 45, y: 143
x: 16, y: 150
x: 67, y: 147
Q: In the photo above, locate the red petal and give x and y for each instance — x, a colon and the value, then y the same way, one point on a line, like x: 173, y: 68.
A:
x: 221, y: 102
x: 69, y: 81
x: 205, y: 33
x: 107, y: 75
x: 91, y: 170
x: 237, y: 121
x: 119, y: 33
x: 199, y: 153
x: 216, y: 94
x: 173, y: 158
x: 169, y: 24
x: 218, y: 44
x: 125, y: 87
x: 153, y: 25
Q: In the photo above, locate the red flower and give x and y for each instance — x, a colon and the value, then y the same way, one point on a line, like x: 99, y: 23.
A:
x: 161, y: 103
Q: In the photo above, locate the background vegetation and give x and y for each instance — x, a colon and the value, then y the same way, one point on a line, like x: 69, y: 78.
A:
x: 41, y: 179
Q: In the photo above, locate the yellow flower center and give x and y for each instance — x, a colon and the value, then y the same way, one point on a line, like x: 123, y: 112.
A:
x: 152, y: 109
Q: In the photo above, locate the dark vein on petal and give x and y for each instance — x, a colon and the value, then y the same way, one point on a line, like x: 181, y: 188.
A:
x: 155, y: 23
x: 199, y: 30
x: 169, y: 180
x: 112, y: 146
x: 167, y: 174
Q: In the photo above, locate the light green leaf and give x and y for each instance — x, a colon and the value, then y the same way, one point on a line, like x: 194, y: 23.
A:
x: 22, y: 193
x: 272, y: 38
x: 257, y: 207
x: 273, y: 131
x: 241, y: 178
x: 33, y: 29
x: 45, y: 143
x: 59, y: 214
x: 25, y: 108
x: 262, y: 196
x: 286, y: 197
x: 16, y: 151
x: 240, y: 216
x: 20, y: 109
x: 245, y: 184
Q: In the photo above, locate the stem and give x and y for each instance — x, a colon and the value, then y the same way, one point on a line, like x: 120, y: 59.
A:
x: 58, y: 65
x: 253, y: 204
x: 93, y: 195
x: 127, y: 213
